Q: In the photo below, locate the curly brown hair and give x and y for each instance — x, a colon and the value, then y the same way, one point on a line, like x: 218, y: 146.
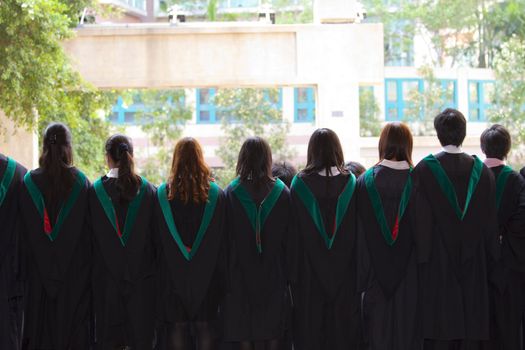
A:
x: 190, y: 176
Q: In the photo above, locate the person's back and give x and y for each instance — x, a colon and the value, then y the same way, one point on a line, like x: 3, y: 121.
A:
x: 11, y: 175
x: 457, y: 239
x: 190, y: 215
x: 326, y: 302
x: 56, y: 248
x: 124, y: 251
x: 509, y: 293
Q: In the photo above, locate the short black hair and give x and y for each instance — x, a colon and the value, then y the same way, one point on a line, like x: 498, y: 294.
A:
x: 284, y: 171
x: 451, y: 127
x: 496, y: 142
x: 255, y: 160
x: 355, y: 168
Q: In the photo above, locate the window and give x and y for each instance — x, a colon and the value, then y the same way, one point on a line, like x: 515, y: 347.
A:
x: 122, y: 114
x: 304, y: 102
x: 206, y: 110
x: 398, y: 93
x: 399, y: 45
x: 208, y: 113
x: 450, y: 93
x: 480, y: 98
x: 138, y: 4
x: 397, y: 96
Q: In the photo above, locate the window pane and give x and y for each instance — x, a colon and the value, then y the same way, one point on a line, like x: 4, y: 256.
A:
x: 473, y: 93
x: 129, y: 117
x: 302, y: 95
x: 409, y: 87
x: 488, y: 93
x: 204, y: 96
x: 204, y: 116
x: 302, y: 114
x: 391, y: 91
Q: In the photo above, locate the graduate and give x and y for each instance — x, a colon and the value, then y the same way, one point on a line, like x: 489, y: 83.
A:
x: 326, y: 302
x: 11, y: 292
x: 190, y: 214
x: 56, y: 248
x: 284, y: 171
x: 256, y: 308
x: 509, y: 298
x: 387, y: 265
x: 124, y: 252
x: 457, y: 240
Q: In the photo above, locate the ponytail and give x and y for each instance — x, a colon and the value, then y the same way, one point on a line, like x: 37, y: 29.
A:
x: 56, y: 160
x: 120, y: 149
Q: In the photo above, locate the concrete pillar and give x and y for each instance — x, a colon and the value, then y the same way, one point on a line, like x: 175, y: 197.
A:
x: 150, y: 10
x: 338, y: 109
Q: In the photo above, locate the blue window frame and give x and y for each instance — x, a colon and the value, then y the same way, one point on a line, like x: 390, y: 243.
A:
x: 304, y: 105
x: 480, y: 99
x: 122, y: 114
x: 207, y: 111
x: 397, y: 94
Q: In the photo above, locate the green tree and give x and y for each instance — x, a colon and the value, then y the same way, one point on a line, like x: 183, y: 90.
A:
x: 163, y: 121
x: 423, y: 105
x: 509, y: 106
x: 37, y: 82
x: 369, y: 122
x: 249, y: 112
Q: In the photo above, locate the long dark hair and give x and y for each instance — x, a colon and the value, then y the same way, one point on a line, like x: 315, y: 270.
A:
x: 255, y: 161
x: 120, y: 149
x: 324, y: 152
x: 396, y: 142
x: 190, y: 176
x: 56, y: 160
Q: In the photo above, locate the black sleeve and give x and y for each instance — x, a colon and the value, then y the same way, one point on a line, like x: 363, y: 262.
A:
x: 491, y: 227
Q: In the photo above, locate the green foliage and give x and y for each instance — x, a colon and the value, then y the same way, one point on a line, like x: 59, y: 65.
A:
x: 509, y: 107
x: 163, y: 122
x: 249, y: 112
x: 469, y: 32
x: 38, y: 84
x: 212, y: 10
x: 424, y: 105
x: 369, y: 122
x: 286, y: 14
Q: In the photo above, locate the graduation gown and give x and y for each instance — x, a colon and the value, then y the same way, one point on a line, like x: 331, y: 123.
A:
x: 509, y: 292
x: 11, y: 291
x: 124, y: 269
x: 256, y: 306
x: 387, y: 267
x: 326, y: 302
x: 455, y: 255
x: 57, y: 267
x: 192, y: 270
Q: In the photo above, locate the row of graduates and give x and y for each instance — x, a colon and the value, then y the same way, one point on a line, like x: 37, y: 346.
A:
x: 398, y: 258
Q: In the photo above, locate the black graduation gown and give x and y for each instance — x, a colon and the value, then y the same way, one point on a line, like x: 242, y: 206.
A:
x: 326, y: 301
x: 124, y: 276
x: 57, y: 283
x: 509, y: 293
x: 387, y: 273
x: 256, y: 307
x: 455, y: 256
x: 191, y: 290
x: 11, y: 291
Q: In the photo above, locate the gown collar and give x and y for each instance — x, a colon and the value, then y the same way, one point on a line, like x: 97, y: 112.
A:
x: 396, y: 165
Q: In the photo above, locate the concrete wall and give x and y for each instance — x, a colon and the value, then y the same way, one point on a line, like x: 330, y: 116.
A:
x: 333, y: 58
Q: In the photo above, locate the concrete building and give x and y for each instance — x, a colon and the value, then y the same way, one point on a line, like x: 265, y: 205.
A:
x: 319, y: 68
